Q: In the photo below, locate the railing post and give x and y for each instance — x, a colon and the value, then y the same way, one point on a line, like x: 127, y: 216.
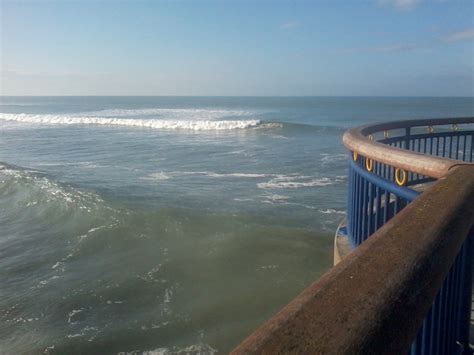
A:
x: 466, y: 294
x: 407, y: 138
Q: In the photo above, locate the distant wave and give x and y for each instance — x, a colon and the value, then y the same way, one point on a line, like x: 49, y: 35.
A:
x: 172, y: 113
x: 161, y: 118
x: 196, y: 125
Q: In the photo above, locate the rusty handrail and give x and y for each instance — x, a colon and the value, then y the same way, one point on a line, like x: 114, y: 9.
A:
x: 357, y: 140
x: 375, y: 300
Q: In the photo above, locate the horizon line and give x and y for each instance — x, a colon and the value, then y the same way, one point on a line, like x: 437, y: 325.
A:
x: 260, y: 96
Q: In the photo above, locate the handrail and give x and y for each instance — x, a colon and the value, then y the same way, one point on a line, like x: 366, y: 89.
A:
x: 400, y: 191
x: 357, y: 140
x: 374, y: 301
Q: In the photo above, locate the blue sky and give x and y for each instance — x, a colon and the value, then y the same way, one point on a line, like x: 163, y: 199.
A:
x: 338, y: 47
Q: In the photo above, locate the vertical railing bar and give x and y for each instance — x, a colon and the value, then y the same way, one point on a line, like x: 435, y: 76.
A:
x: 434, y: 324
x: 445, y: 322
x: 378, y: 208
x: 466, y: 292
x: 349, y: 203
x: 364, y: 210
x: 464, y: 147
x: 452, y: 289
x: 440, y: 319
x: 386, y: 207
x: 357, y: 210
x: 360, y: 208
x: 453, y: 315
x: 425, y: 346
x: 370, y: 228
x: 457, y: 146
x: 459, y: 298
x: 450, y: 146
x: 444, y: 147
x: 472, y: 147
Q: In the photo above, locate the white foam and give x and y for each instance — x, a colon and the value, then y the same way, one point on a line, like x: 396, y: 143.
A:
x: 332, y: 211
x: 294, y: 182
x: 72, y: 314
x: 168, y: 295
x: 96, y: 229
x: 196, y: 349
x: 241, y: 175
x: 57, y: 265
x: 193, y: 124
x: 158, y: 176
x: 329, y: 158
x: 276, y: 199
x: 165, y: 175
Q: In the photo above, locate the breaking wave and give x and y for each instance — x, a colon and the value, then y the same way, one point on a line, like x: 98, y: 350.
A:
x: 197, y: 125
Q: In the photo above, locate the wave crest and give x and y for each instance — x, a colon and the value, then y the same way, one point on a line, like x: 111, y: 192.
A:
x: 196, y: 125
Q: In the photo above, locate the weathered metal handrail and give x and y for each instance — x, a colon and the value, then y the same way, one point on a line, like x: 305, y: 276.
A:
x: 383, y: 172
x: 357, y: 140
x: 376, y: 299
x: 385, y: 175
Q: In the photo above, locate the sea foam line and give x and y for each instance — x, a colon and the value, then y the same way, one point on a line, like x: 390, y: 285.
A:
x: 294, y: 182
x: 165, y: 175
x: 196, y: 125
x: 177, y: 113
x: 277, y: 181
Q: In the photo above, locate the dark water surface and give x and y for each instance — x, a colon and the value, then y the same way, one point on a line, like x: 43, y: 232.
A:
x: 169, y: 224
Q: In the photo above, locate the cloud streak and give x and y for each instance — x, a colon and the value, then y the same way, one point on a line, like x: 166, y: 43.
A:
x: 392, y: 48
x: 460, y: 36
x: 15, y: 73
x: 400, y: 4
x: 465, y: 35
x: 288, y: 25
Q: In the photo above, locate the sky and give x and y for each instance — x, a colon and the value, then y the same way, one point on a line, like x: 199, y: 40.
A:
x: 237, y: 48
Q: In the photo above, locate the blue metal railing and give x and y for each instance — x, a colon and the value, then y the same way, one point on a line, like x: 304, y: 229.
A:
x: 375, y: 196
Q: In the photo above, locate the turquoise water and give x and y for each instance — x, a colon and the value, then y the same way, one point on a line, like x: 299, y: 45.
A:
x: 169, y: 224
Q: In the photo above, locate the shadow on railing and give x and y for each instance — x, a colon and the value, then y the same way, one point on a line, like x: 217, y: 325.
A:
x: 410, y: 282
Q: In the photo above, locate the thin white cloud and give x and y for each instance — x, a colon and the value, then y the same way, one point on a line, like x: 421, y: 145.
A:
x: 391, y: 48
x: 9, y: 72
x: 394, y: 48
x: 400, y: 4
x: 460, y: 36
x: 466, y: 35
x: 289, y: 24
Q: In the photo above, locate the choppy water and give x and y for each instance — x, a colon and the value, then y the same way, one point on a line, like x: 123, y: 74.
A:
x: 169, y: 225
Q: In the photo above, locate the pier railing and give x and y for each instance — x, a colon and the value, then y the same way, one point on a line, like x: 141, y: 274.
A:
x: 391, y: 161
x: 410, y: 282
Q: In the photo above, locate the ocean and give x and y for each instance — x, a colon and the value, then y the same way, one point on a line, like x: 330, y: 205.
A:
x: 170, y: 225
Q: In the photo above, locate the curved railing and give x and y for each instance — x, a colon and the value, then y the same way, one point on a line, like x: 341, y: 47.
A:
x: 390, y: 165
x: 390, y: 162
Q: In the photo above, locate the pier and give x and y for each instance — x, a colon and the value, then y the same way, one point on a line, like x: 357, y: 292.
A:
x: 402, y: 280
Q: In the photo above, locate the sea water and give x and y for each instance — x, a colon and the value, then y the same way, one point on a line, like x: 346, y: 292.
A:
x: 170, y: 225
